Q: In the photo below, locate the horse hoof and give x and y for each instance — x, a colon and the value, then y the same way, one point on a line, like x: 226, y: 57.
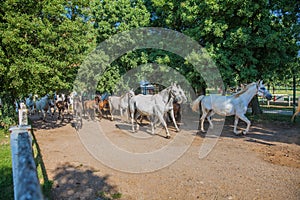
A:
x: 238, y: 133
x: 244, y: 132
x: 178, y: 130
x: 168, y: 137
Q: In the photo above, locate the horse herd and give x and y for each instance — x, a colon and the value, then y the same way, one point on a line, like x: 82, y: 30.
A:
x: 49, y: 105
x: 155, y: 107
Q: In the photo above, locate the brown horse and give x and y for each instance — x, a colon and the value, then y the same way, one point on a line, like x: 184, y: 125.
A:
x: 177, y: 111
x: 61, y: 106
x: 90, y: 107
x: 103, y: 106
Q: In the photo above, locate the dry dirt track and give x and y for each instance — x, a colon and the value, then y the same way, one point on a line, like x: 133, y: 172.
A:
x: 263, y: 165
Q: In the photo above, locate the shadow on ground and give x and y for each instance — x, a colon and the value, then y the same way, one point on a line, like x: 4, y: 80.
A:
x: 78, y: 182
x: 262, y: 132
x: 50, y: 122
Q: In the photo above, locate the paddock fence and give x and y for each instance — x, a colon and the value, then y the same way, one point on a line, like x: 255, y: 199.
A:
x: 25, y: 178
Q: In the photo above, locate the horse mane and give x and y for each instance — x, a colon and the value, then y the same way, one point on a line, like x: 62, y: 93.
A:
x: 243, y: 90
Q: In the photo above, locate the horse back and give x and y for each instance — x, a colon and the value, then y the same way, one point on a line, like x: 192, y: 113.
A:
x: 103, y: 104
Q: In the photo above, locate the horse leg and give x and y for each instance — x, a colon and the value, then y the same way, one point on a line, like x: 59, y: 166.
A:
x: 43, y: 115
x: 100, y: 114
x: 173, y: 119
x: 89, y: 112
x: 54, y: 109
x: 152, y: 124
x: 132, y: 121
x: 136, y: 121
x: 236, y: 121
x: 295, y: 114
x: 159, y: 113
x: 111, y: 114
x: 161, y: 118
x: 245, y: 119
x: 111, y: 111
x: 208, y: 117
x: 63, y: 114
x: 202, y: 121
x: 59, y: 112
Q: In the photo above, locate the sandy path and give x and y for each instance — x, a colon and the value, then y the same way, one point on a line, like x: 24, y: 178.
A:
x: 263, y: 165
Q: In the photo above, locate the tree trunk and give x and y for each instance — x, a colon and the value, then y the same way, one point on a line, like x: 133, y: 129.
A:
x: 256, y: 110
x: 203, y: 90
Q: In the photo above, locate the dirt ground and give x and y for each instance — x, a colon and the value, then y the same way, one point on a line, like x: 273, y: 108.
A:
x: 265, y: 164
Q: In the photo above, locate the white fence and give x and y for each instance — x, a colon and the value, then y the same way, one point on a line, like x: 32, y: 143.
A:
x: 26, y: 182
x: 281, y: 98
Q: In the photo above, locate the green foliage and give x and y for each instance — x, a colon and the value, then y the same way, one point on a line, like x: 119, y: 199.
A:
x: 8, y: 115
x: 112, y: 17
x: 42, y: 43
x: 246, y: 39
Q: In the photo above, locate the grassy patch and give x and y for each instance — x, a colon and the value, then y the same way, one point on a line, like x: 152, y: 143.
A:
x: 107, y: 196
x: 6, y: 178
x: 269, y: 117
x: 283, y: 91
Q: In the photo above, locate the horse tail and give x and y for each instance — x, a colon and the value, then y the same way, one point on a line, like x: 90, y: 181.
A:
x: 195, y: 103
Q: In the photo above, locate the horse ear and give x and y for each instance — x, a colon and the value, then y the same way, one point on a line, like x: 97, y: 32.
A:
x: 258, y: 82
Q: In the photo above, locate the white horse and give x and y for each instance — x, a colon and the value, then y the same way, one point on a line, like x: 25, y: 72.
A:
x: 30, y: 104
x: 120, y: 103
x: 71, y: 101
x: 77, y: 111
x: 235, y: 104
x: 43, y: 105
x: 156, y: 106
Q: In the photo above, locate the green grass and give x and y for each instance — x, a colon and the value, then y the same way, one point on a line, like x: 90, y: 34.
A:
x: 109, y: 196
x: 6, y: 178
x: 289, y: 92
x: 269, y: 117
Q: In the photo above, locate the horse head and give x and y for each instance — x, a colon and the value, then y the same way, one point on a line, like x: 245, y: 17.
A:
x: 262, y: 91
x: 178, y: 94
x: 130, y: 93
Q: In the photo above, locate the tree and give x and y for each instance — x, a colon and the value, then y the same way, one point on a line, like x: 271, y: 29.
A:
x: 42, y: 43
x: 110, y: 18
x: 247, y: 40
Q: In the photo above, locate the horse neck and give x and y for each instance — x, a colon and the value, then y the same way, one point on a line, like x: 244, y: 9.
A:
x: 249, y: 94
x: 124, y: 97
x: 165, y: 94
